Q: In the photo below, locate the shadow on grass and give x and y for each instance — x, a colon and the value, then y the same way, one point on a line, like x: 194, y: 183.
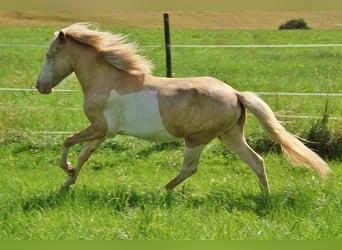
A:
x: 124, y: 198
x: 157, y: 147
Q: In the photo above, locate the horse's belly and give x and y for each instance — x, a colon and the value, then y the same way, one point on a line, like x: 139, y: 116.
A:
x: 136, y: 114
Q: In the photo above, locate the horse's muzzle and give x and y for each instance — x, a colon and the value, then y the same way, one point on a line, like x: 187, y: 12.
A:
x: 43, y: 88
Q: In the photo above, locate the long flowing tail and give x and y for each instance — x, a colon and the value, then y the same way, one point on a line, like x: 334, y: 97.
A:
x: 296, y: 152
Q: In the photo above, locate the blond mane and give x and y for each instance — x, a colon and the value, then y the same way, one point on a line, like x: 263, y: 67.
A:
x: 113, y: 47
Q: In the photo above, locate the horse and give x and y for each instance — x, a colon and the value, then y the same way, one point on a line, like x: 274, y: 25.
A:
x: 122, y: 97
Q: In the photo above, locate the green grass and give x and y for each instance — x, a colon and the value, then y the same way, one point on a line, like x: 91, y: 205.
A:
x: 120, y: 194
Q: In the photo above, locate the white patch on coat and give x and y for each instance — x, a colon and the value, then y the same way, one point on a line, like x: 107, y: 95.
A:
x: 136, y: 114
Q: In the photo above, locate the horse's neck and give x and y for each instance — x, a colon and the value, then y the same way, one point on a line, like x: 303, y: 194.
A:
x: 91, y: 71
x: 97, y: 75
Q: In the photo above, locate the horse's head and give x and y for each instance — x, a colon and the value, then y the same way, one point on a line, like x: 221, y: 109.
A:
x: 57, y: 65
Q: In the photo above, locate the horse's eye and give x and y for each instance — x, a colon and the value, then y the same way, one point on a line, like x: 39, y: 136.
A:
x: 49, y: 56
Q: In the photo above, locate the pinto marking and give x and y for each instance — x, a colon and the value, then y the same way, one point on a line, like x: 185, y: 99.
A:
x: 136, y: 114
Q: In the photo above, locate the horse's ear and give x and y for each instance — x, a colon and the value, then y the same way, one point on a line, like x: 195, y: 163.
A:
x: 61, y: 36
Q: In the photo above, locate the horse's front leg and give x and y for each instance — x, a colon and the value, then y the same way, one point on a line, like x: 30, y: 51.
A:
x: 82, y: 158
x: 94, y: 135
x: 64, y: 163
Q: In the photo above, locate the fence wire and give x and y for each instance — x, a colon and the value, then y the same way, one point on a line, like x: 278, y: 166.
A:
x: 224, y: 46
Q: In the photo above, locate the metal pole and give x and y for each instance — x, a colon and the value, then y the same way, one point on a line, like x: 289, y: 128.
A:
x: 167, y: 45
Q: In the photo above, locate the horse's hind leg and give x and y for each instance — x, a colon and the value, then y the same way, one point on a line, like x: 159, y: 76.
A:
x: 190, y: 162
x: 82, y: 158
x: 234, y: 140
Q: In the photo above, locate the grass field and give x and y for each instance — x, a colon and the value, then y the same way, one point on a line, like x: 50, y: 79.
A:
x: 120, y: 194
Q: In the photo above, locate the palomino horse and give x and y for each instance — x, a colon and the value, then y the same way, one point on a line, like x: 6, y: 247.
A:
x: 121, y: 97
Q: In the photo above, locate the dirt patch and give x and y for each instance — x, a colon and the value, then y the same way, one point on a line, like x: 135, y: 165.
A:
x: 178, y: 19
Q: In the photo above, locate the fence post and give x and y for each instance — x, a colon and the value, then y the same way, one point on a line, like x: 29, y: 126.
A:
x: 167, y: 45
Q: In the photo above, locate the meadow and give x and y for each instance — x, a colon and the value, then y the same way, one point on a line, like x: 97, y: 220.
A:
x: 120, y: 193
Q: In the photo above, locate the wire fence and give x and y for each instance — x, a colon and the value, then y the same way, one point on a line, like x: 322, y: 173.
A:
x: 259, y: 93
x: 61, y: 91
x: 223, y: 46
x: 227, y: 46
